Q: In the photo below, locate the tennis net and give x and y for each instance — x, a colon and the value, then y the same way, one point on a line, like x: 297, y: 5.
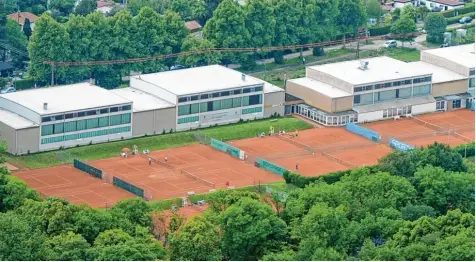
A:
x: 296, y: 143
x: 338, y: 160
x: 462, y: 137
x: 158, y: 161
x: 208, y: 183
x: 429, y: 125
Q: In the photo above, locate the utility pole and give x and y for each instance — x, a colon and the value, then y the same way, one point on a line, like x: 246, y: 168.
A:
x: 52, y: 73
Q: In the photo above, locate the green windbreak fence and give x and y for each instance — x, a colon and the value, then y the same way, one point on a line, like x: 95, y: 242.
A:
x: 271, y: 167
x: 128, y: 187
x: 224, y: 147
x: 88, y: 169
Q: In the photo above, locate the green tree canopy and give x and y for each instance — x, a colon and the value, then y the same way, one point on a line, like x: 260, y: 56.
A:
x: 435, y: 26
x: 193, y: 43
x: 403, y: 28
x: 373, y: 9
x: 27, y: 28
x: 85, y: 7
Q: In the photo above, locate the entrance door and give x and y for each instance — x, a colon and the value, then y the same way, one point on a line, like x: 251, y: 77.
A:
x: 400, y: 112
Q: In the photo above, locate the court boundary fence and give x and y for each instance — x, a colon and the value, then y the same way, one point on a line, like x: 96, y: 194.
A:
x: 399, y: 145
x: 269, y: 166
x: 90, y: 170
x: 226, y: 148
x: 362, y: 131
x: 128, y: 187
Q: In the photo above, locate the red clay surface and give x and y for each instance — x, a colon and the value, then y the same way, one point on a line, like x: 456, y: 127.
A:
x: 160, y: 182
x: 73, y: 185
x: 419, y: 134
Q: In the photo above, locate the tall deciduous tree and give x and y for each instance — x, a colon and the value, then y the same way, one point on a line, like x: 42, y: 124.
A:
x: 50, y: 41
x: 79, y: 30
x: 197, y: 240
x: 66, y: 247
x: 373, y: 9
x: 123, y: 44
x: 27, y: 28
x: 351, y: 16
x: 410, y: 11
x: 287, y: 16
x: 227, y: 29
x: 260, y: 22
x: 435, y: 26
x: 193, y: 43
x: 175, y: 32
x: 404, y: 27
x: 85, y: 7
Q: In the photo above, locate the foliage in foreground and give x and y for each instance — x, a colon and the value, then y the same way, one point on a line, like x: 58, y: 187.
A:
x: 411, y: 206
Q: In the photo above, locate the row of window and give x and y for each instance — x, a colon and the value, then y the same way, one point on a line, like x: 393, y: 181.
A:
x: 220, y: 94
x: 84, y: 124
x: 104, y: 132
x: 471, y: 82
x: 251, y: 110
x: 87, y: 113
x: 188, y: 119
x: 382, y: 96
x: 219, y: 105
x: 323, y: 118
x: 471, y: 72
x: 392, y: 84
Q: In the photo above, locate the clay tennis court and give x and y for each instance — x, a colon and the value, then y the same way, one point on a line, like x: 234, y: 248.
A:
x: 439, y: 127
x: 162, y: 181
x: 73, y: 185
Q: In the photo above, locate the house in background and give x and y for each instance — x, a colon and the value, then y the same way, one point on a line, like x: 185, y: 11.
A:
x: 104, y: 7
x: 442, y: 5
x: 402, y: 3
x: 20, y: 17
x: 194, y: 28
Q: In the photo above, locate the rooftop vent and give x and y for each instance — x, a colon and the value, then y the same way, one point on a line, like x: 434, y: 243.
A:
x: 364, y: 65
x: 45, y: 106
x: 243, y: 77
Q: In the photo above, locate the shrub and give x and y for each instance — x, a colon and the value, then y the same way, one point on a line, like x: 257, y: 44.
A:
x: 454, y: 20
x: 379, y: 30
x: 465, y: 150
x: 24, y: 84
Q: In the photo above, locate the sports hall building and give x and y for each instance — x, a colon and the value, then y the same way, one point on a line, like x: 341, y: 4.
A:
x: 382, y: 87
x: 66, y: 116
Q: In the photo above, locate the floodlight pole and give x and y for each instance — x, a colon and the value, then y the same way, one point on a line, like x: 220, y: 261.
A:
x: 52, y: 73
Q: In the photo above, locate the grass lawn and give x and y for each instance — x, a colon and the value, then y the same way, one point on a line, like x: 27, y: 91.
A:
x: 470, y: 159
x: 105, y: 150
x: 403, y: 54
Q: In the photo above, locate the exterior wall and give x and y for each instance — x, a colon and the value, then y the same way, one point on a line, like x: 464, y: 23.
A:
x: 430, y: 5
x: 424, y: 108
x: 342, y: 104
x: 105, y: 9
x: 153, y: 89
x: 274, y: 103
x: 20, y: 110
x: 401, y: 5
x: 370, y: 116
x: 29, y: 140
x: 450, y: 88
x: 436, y: 60
x: 154, y: 122
x: 8, y: 134
x: 330, y: 80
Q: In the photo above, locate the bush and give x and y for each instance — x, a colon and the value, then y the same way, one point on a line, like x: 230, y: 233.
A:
x: 465, y: 150
x: 454, y: 20
x: 3, y: 82
x: 318, y: 51
x: 460, y: 11
x: 24, y: 84
x: 380, y: 30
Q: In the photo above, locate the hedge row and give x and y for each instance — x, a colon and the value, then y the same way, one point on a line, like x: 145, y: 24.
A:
x: 466, y: 26
x: 380, y: 30
x: 465, y: 150
x: 454, y: 20
x: 24, y: 84
x: 460, y: 11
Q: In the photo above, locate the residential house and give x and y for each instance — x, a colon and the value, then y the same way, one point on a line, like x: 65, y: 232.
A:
x: 20, y: 17
x: 104, y: 7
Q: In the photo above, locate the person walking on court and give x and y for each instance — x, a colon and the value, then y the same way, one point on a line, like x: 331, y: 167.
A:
x: 150, y: 160
x: 297, y: 167
x: 165, y: 159
x: 227, y: 184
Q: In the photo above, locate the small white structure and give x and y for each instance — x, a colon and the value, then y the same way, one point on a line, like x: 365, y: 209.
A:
x: 402, y: 3
x: 104, y: 7
x: 444, y: 5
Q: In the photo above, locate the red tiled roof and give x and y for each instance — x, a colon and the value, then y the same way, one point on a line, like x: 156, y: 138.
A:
x: 447, y: 2
x: 192, y: 25
x: 387, y: 7
x: 103, y: 3
x: 20, y: 17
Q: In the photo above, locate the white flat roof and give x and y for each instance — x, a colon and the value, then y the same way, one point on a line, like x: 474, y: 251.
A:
x: 142, y: 101
x: 380, y: 69
x: 461, y: 54
x: 320, y: 87
x: 14, y: 120
x: 440, y: 74
x: 268, y: 87
x: 65, y: 98
x: 199, y: 79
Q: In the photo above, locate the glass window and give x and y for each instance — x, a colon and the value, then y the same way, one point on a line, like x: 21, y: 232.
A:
x: 471, y: 82
x: 104, y: 111
x: 216, y: 105
x: 68, y: 116
x: 225, y: 93
x: 357, y: 89
x: 397, y: 83
x: 216, y: 94
x: 204, y: 96
x: 421, y: 90
x: 237, y: 91
x: 115, y: 120
x: 226, y: 103
x: 471, y: 72
x: 46, y: 130
x: 246, y: 90
x: 182, y: 99
x: 70, y: 126
x: 92, y: 123
x: 416, y: 80
x: 91, y: 113
x: 81, y: 124
x: 428, y: 79
x: 387, y: 95
x: 46, y: 119
x: 255, y: 100
x: 194, y: 98
x: 125, y: 118
x: 58, y: 117
x: 59, y: 128
x: 194, y: 108
x: 103, y: 121
x: 457, y: 103
x: 258, y: 89
x: 184, y: 110
x: 187, y: 119
x: 204, y: 107
x: 388, y: 84
x: 81, y: 114
x: 126, y: 108
x: 114, y: 109
x: 251, y: 110
x: 236, y: 102
x: 405, y: 92
x: 408, y: 82
x: 357, y: 99
x: 366, y: 99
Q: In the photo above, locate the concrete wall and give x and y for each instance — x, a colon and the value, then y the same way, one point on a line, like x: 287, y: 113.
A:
x: 445, y: 63
x: 450, y: 88
x: 8, y: 134
x: 370, y: 116
x: 274, y: 103
x: 330, y: 80
x: 29, y: 140
x: 424, y: 108
x: 153, y: 89
x: 154, y: 122
x: 342, y: 103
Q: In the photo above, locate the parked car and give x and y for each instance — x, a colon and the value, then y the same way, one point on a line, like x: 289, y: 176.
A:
x: 8, y: 90
x: 387, y: 36
x: 465, y: 20
x: 390, y: 44
x: 421, y: 30
x: 177, y: 67
x: 444, y: 45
